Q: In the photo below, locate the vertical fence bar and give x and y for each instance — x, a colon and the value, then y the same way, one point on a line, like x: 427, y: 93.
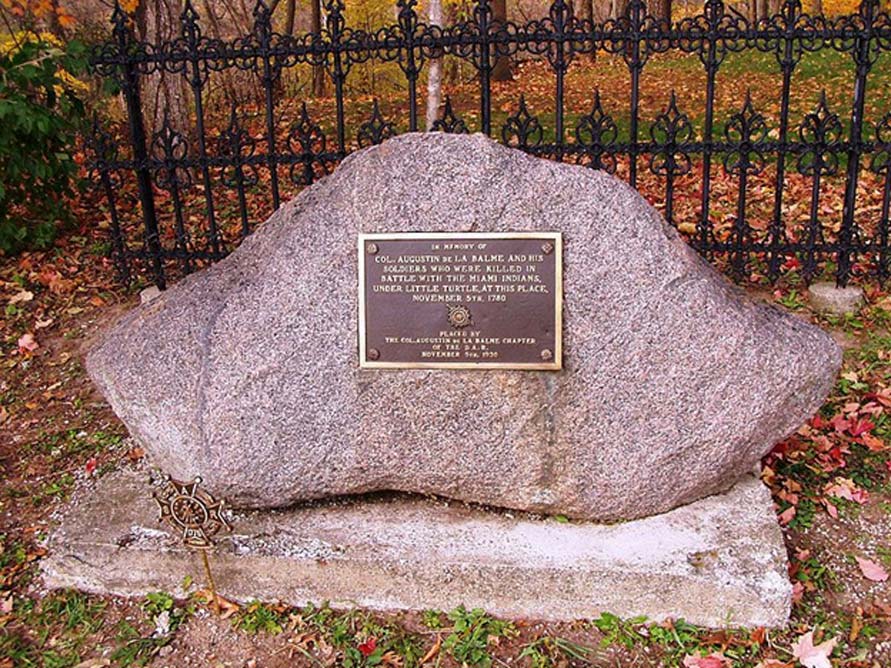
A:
x: 335, y: 23
x: 714, y: 12
x: 561, y: 15
x: 130, y: 89
x: 234, y: 137
x: 884, y: 254
x: 104, y: 153
x: 192, y: 34
x: 170, y: 151
x: 862, y: 61
x: 635, y: 13
x: 118, y: 249
x: 791, y: 11
x: 263, y: 28
x: 408, y: 22
x: 483, y: 15
x: 881, y: 165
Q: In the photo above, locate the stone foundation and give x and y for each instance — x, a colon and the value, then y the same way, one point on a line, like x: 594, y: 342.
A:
x: 718, y: 561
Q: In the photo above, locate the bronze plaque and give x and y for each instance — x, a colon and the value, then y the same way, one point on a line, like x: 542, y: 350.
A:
x: 461, y: 301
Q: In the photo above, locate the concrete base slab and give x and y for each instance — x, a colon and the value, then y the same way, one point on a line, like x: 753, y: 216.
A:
x: 715, y: 562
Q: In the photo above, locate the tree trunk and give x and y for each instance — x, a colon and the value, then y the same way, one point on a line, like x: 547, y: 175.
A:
x: 159, y: 21
x: 434, y: 72
x: 763, y: 9
x: 453, y: 72
x: 818, y: 7
x: 228, y: 77
x: 289, y: 17
x: 501, y: 70
x: 662, y: 9
x: 318, y: 71
x: 587, y: 14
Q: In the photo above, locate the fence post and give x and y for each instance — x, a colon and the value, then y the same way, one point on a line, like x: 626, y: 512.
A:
x: 263, y: 31
x: 562, y: 17
x: 191, y: 33
x: 336, y: 24
x: 863, y: 63
x: 788, y: 58
x: 483, y: 15
x: 635, y: 16
x: 130, y: 88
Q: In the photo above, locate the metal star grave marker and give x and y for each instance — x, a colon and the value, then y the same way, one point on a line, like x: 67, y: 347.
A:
x: 196, y: 515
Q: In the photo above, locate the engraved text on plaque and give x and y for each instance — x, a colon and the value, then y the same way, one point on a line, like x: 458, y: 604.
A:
x: 465, y: 300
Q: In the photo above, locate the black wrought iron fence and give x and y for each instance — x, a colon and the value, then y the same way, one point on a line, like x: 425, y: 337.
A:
x: 180, y: 180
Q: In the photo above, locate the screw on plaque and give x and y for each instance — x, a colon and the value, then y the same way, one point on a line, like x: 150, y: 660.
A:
x: 373, y: 354
x: 547, y: 248
x: 197, y: 516
x: 371, y: 248
x: 547, y: 355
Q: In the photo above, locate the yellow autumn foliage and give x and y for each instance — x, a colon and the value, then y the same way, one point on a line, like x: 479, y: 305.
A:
x: 39, y: 10
x: 842, y: 7
x: 12, y: 43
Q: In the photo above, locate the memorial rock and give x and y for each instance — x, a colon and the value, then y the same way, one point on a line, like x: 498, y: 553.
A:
x: 670, y: 385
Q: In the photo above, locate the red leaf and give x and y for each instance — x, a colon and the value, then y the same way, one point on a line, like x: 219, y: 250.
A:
x: 367, y: 648
x: 840, y: 423
x: 861, y: 426
x: 91, y: 466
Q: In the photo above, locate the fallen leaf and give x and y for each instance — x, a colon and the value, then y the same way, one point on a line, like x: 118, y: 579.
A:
x: 813, y: 656
x: 773, y: 663
x: 433, y: 651
x: 861, y: 426
x: 856, y: 625
x: 787, y: 515
x: 93, y: 663
x: 22, y: 296
x: 714, y: 660
x: 845, y: 488
x: 91, y: 466
x: 873, y: 443
x: 27, y: 343
x: 227, y: 607
x: 758, y: 636
x: 871, y: 570
x: 367, y: 648
x: 797, y: 592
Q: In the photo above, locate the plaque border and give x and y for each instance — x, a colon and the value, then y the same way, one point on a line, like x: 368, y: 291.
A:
x: 555, y: 237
